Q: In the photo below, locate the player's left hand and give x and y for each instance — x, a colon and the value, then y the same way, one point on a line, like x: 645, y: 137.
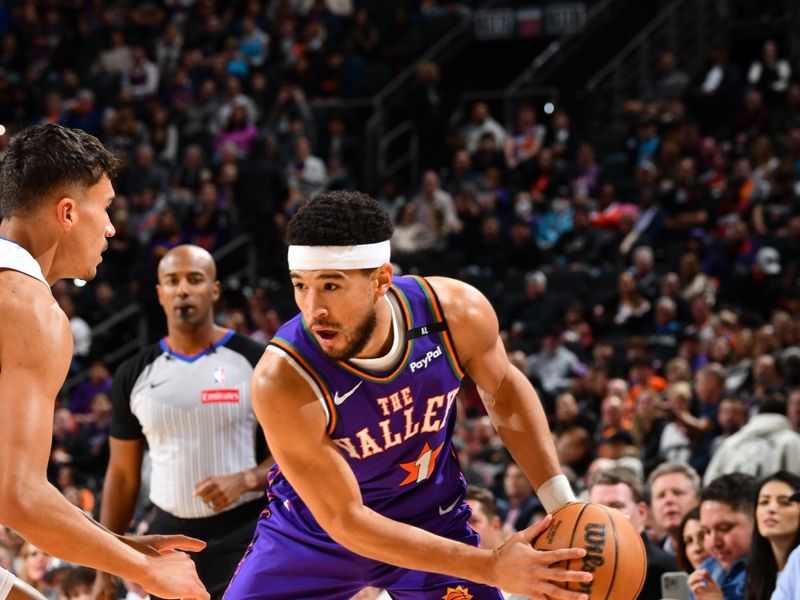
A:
x: 219, y: 491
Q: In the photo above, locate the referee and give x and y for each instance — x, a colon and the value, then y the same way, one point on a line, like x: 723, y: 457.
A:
x: 187, y: 399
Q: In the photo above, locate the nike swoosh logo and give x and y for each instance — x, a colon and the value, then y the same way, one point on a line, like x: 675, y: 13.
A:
x: 444, y: 511
x: 155, y: 385
x: 337, y: 399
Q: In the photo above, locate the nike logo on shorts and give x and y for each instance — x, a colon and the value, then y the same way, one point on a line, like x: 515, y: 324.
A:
x: 444, y: 511
x: 337, y: 399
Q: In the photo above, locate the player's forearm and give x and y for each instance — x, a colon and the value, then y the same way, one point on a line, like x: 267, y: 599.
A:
x: 118, y: 502
x: 520, y: 421
x: 40, y: 514
x: 370, y: 534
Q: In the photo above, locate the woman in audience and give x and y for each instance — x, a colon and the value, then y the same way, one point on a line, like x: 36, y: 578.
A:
x: 776, y: 534
x: 33, y: 567
x: 691, y: 550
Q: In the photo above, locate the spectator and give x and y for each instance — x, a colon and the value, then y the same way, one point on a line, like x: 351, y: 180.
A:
x: 726, y: 515
x: 81, y: 332
x: 691, y: 549
x: 709, y: 386
x: 254, y: 43
x: 731, y: 417
x: 793, y: 409
x: 76, y: 583
x: 674, y: 492
x: 716, y: 92
x: 486, y: 523
x: 675, y: 444
x: 307, y: 174
x: 70, y: 447
x: 581, y: 245
x: 98, y: 381
x: 339, y: 152
x: 410, y: 237
x: 526, y: 142
x: 618, y: 488
x: 671, y: 81
x: 632, y: 308
x: 771, y: 74
x: 140, y: 77
x: 554, y: 366
x: 524, y: 506
x: 434, y: 208
x: 788, y: 584
x: 776, y: 534
x: 34, y: 565
x: 764, y: 445
x: 480, y: 123
x: 485, y: 520
x: 237, y: 131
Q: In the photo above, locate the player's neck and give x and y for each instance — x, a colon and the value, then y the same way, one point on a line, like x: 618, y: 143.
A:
x: 381, y: 341
x: 191, y: 341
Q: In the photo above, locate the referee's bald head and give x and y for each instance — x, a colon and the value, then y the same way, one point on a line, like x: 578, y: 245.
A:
x: 188, y: 254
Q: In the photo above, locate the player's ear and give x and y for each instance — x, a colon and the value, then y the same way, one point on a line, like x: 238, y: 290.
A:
x: 383, y: 278
x: 66, y: 213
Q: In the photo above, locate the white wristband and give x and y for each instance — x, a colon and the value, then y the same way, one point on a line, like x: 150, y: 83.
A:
x: 555, y: 493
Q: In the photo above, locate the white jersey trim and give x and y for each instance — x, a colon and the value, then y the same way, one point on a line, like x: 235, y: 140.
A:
x: 15, y: 257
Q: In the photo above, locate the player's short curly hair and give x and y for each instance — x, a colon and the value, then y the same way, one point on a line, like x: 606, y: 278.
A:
x: 339, y: 218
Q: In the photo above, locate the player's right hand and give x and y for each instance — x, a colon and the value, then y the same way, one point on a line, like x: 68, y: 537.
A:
x: 521, y: 569
x: 173, y: 575
x: 155, y: 544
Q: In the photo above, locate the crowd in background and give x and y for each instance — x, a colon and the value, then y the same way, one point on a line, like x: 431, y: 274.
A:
x: 649, y: 290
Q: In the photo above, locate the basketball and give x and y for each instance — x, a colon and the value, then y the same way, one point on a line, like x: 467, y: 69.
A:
x: 615, y: 553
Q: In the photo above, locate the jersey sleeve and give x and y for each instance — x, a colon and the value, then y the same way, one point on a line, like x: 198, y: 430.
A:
x: 124, y: 424
x: 247, y: 347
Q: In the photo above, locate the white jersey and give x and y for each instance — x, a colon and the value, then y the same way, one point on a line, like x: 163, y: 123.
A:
x: 15, y: 257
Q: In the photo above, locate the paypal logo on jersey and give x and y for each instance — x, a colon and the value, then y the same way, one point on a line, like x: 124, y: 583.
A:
x: 426, y: 360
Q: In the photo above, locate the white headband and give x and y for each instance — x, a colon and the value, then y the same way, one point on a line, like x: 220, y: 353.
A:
x: 340, y: 258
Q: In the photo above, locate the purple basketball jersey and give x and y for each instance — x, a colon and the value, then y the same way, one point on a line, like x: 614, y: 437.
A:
x: 394, y: 429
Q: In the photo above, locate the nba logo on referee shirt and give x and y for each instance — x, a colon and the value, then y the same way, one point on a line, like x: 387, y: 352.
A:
x: 218, y: 396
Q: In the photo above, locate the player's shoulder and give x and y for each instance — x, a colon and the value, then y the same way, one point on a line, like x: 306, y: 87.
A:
x: 26, y: 302
x: 459, y: 299
x: 277, y: 374
x: 249, y: 348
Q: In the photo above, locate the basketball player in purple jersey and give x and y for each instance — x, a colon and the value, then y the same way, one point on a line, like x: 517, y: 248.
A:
x: 55, y: 191
x: 357, y: 398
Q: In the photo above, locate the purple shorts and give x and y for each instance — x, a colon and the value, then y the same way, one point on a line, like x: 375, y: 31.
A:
x: 291, y: 558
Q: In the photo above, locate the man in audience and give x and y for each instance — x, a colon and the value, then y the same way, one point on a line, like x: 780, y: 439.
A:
x: 763, y: 446
x: 726, y: 516
x: 619, y: 488
x: 674, y: 492
x: 486, y: 523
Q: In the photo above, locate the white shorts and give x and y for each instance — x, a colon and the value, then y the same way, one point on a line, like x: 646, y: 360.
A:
x: 6, y: 583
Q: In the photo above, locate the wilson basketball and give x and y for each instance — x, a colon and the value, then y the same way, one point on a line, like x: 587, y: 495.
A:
x: 615, y: 553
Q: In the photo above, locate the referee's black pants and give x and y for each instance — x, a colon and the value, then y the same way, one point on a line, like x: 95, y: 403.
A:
x: 227, y: 536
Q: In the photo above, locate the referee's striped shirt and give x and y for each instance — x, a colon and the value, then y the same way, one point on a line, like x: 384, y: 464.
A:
x: 195, y: 414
